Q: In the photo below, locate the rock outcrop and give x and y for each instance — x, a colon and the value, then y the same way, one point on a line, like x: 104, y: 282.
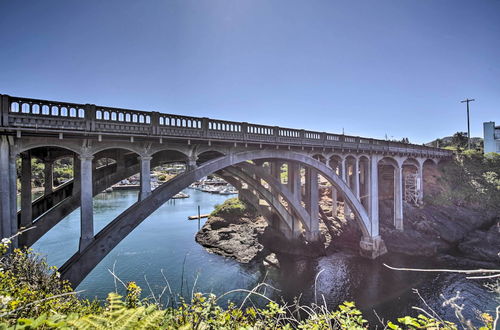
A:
x: 235, y: 238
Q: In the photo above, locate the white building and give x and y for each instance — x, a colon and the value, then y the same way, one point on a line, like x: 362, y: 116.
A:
x: 491, y: 137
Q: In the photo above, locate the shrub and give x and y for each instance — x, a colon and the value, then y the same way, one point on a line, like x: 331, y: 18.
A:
x: 233, y: 207
x: 30, y: 288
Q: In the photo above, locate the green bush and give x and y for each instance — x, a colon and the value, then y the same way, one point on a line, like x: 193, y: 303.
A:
x: 30, y: 288
x: 472, y: 179
x: 233, y: 207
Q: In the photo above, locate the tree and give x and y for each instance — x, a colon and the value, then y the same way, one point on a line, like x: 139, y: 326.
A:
x: 459, y: 139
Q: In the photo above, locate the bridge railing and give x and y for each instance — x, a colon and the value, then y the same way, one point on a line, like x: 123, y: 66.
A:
x: 26, y: 113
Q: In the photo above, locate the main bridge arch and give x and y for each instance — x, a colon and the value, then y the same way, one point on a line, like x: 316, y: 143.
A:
x: 82, y: 262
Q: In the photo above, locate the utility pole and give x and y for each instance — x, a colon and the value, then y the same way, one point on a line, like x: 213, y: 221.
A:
x: 468, y: 121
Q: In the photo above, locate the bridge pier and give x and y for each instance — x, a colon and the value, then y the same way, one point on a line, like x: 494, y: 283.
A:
x: 356, y: 178
x: 398, y: 195
x: 4, y: 188
x: 374, y: 217
x: 345, y: 177
x: 145, y: 177
x: 372, y: 247
x: 26, y: 198
x: 312, y: 204
x: 86, y: 202
x: 421, y: 181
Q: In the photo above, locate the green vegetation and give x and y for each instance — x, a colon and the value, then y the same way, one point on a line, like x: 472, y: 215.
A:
x: 63, y: 170
x: 457, y: 142
x: 472, y: 179
x: 33, y: 296
x: 233, y: 207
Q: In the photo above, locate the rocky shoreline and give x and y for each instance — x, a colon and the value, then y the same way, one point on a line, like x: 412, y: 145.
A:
x: 450, y: 233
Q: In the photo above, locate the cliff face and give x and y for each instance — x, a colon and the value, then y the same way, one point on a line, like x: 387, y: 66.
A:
x: 452, y: 219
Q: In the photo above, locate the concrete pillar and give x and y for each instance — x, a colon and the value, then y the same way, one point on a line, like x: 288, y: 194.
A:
x: 294, y: 183
x: 191, y: 163
x: 356, y: 178
x: 420, y: 182
x: 86, y: 202
x: 334, y: 201
x: 398, y: 197
x: 14, y: 227
x: 26, y: 200
x: 374, y: 224
x: 312, y: 204
x: 48, y: 176
x: 145, y: 177
x: 5, y: 205
x: 345, y: 177
x: 367, y: 186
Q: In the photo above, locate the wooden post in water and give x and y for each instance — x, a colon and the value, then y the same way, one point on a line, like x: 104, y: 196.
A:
x: 199, y: 217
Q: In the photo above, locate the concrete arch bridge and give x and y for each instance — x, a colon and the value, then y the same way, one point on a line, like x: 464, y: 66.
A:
x: 252, y: 157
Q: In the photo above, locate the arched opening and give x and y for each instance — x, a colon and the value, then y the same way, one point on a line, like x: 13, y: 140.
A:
x: 166, y: 165
x: 208, y: 155
x: 411, y: 181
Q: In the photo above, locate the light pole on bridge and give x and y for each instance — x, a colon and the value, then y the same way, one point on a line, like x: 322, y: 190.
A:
x: 468, y: 120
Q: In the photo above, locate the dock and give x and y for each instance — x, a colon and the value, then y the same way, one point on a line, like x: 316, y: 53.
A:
x: 195, y: 217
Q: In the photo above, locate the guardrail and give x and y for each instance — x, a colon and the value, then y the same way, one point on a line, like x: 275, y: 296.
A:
x: 26, y: 113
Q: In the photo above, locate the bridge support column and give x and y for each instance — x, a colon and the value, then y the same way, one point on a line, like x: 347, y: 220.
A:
x: 373, y: 246
x: 13, y: 196
x: 420, y: 181
x: 345, y: 177
x: 356, y: 178
x: 145, y: 177
x: 294, y: 183
x: 26, y: 200
x: 86, y: 202
x: 191, y: 164
x: 48, y: 176
x: 398, y: 196
x: 5, y: 198
x: 374, y: 229
x: 312, y: 204
x: 334, y: 201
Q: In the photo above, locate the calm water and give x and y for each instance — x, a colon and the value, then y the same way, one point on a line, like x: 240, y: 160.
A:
x: 165, y: 243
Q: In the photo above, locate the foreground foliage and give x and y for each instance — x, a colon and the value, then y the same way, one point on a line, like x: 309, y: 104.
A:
x: 204, y: 313
x: 32, y: 296
x: 29, y: 288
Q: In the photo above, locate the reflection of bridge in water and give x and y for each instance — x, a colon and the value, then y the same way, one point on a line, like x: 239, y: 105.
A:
x: 251, y: 157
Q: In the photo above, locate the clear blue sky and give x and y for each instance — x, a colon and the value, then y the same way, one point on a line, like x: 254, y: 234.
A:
x: 395, y: 67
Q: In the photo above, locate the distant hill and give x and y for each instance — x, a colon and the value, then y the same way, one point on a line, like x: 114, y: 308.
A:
x: 453, y: 141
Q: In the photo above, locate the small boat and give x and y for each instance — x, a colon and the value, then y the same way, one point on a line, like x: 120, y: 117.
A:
x: 180, y: 195
x: 108, y: 190
x: 228, y: 191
